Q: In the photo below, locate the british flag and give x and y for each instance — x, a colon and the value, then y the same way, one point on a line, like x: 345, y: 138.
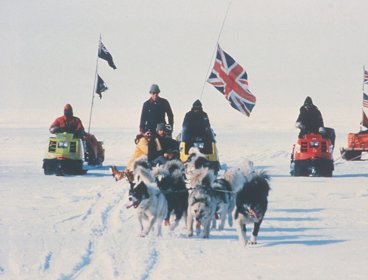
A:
x: 365, y: 100
x: 365, y: 78
x: 231, y: 80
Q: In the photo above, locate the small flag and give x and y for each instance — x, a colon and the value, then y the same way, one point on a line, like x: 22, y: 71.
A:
x: 101, y: 86
x: 104, y: 54
x: 231, y: 80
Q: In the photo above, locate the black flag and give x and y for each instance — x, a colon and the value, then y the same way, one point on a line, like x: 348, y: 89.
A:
x: 104, y: 54
x: 101, y: 86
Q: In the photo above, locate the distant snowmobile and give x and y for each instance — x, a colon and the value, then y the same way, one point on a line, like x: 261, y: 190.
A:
x: 357, y: 143
x: 312, y: 154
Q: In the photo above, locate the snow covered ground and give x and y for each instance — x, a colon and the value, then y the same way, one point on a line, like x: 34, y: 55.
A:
x: 77, y: 227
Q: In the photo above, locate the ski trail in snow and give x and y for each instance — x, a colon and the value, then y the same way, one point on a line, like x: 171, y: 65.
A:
x: 46, y: 264
x: 101, y: 217
x: 85, y: 260
x: 152, y: 260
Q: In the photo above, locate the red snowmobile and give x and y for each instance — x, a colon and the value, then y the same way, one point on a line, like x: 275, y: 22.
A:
x: 312, y: 155
x: 357, y: 142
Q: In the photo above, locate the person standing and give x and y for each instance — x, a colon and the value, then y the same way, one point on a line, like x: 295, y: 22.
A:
x: 154, y: 111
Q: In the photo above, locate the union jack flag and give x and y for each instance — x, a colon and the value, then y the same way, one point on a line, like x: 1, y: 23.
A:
x: 365, y: 79
x: 231, y: 80
x: 365, y: 100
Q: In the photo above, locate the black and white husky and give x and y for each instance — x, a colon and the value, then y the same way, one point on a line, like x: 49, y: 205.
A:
x: 193, y: 165
x: 251, y: 205
x: 201, y: 203
x: 170, y: 180
x: 151, y: 206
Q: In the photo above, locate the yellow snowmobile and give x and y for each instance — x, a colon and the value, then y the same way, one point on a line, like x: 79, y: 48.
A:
x: 64, y: 155
x: 204, y: 141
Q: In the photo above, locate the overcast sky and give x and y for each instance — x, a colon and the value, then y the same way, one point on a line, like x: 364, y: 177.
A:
x: 289, y: 48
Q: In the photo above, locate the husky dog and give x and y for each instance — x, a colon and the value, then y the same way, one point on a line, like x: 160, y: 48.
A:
x: 202, y: 204
x: 251, y: 205
x: 194, y: 163
x: 151, y: 205
x: 247, y: 169
x: 225, y: 189
x: 170, y: 180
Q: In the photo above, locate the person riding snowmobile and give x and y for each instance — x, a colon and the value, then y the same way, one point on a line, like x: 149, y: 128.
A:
x: 196, y: 122
x: 70, y: 124
x: 310, y: 118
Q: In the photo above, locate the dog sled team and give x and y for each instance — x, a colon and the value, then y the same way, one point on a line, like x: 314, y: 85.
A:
x: 168, y: 193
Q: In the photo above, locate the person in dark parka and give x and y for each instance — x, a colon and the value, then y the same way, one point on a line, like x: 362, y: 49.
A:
x: 309, y: 119
x: 196, y: 122
x: 154, y: 111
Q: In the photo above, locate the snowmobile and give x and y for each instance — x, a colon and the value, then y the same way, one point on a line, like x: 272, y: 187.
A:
x: 204, y: 141
x: 66, y: 154
x: 312, y: 155
x: 357, y: 142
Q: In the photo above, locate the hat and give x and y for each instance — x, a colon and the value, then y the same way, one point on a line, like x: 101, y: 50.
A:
x: 160, y: 126
x: 197, y: 104
x: 154, y: 88
x: 308, y: 101
x: 68, y: 110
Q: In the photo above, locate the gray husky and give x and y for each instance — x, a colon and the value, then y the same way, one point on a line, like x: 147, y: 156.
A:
x: 225, y: 191
x: 202, y: 203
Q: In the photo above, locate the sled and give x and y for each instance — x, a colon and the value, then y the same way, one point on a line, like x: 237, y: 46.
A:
x: 312, y: 155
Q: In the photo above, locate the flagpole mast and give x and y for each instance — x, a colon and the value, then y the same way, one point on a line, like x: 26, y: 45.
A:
x: 362, y: 123
x: 94, y: 86
x: 215, y: 49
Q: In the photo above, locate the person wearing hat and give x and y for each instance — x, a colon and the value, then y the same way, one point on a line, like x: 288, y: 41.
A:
x: 310, y: 118
x: 155, y: 110
x: 68, y: 123
x: 196, y: 122
x: 163, y: 148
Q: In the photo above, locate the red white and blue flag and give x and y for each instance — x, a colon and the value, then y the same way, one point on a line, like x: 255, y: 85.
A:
x: 365, y: 78
x: 231, y: 80
x: 365, y: 100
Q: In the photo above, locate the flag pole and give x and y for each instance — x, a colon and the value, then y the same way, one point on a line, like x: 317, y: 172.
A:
x: 215, y: 49
x: 94, y: 86
x: 362, y: 123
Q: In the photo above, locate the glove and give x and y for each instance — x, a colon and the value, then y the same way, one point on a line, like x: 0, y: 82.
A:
x: 55, y: 129
x: 300, y: 125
